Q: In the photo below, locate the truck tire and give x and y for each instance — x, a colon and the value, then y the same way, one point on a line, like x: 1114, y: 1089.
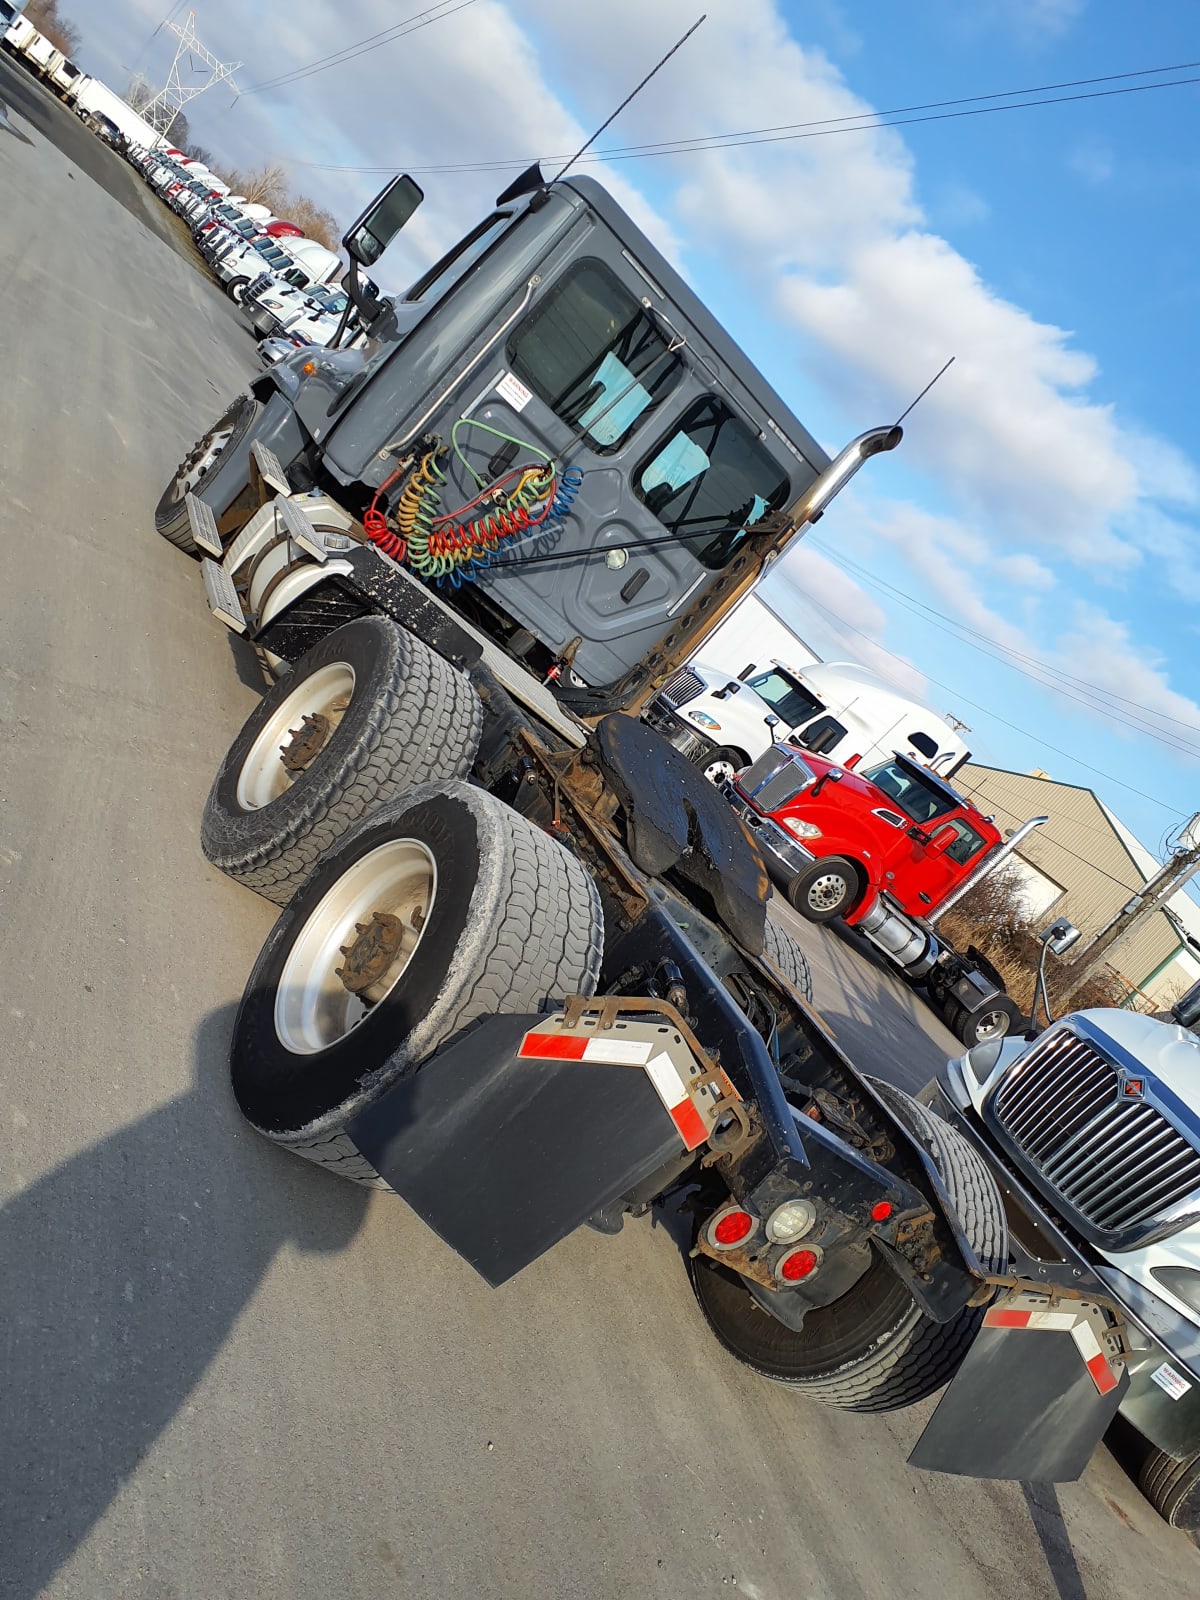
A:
x: 994, y: 1020
x: 391, y: 714
x: 782, y: 949
x: 720, y: 767
x: 825, y: 889
x: 1173, y: 1488
x: 508, y: 919
x: 170, y: 516
x: 234, y: 289
x: 872, y: 1349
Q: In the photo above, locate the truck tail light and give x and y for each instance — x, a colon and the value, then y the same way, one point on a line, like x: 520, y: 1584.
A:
x: 730, y: 1227
x: 791, y: 1221
x: 797, y: 1264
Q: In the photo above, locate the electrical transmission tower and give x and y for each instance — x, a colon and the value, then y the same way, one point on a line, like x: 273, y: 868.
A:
x: 166, y: 105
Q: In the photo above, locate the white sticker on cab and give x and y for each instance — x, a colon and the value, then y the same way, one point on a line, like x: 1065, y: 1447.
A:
x: 1175, y: 1384
x: 511, y: 388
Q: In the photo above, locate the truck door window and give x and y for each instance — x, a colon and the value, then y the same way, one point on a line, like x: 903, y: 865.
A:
x: 821, y: 736
x: 968, y: 843
x: 790, y: 701
x: 589, y: 350
x: 711, y: 481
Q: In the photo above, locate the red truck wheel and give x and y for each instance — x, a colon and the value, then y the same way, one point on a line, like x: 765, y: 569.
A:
x: 825, y: 890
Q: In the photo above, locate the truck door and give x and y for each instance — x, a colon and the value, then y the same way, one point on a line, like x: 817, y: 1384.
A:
x: 935, y: 871
x: 674, y: 471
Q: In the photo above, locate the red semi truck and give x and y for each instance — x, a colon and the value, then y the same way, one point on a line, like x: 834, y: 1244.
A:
x: 885, y: 850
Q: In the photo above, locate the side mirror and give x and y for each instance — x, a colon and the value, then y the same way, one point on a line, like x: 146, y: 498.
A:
x: 941, y: 842
x: 771, y: 720
x: 382, y: 220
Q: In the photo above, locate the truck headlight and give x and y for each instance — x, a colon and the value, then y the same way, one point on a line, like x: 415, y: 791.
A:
x: 705, y: 721
x: 801, y: 830
x: 1183, y: 1282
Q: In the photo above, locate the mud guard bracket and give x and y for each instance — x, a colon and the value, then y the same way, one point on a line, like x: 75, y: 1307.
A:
x: 1039, y: 1387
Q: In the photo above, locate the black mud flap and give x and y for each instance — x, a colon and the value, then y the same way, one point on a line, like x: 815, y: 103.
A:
x: 1034, y: 1397
x: 503, y: 1155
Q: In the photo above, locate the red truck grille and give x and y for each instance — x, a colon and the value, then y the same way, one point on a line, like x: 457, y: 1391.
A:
x: 774, y: 779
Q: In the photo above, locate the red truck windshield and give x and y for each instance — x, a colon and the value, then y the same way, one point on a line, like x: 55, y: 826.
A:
x: 923, y: 802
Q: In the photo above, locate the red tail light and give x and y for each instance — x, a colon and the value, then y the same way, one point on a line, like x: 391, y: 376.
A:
x: 730, y: 1228
x: 881, y: 1211
x: 797, y: 1264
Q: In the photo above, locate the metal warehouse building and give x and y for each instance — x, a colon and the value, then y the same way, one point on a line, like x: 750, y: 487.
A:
x: 1084, y: 865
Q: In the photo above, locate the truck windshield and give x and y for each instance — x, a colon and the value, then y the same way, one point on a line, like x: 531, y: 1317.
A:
x: 711, y: 481
x: 920, y: 801
x: 790, y: 701
x: 589, y: 350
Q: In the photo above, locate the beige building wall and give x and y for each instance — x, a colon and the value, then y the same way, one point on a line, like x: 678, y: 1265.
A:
x: 1081, y: 851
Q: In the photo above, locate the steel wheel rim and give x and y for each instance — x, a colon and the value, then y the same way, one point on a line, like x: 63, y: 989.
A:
x: 720, y: 772
x: 263, y: 776
x: 991, y: 1025
x: 202, y: 460
x: 313, y: 1008
x: 827, y: 892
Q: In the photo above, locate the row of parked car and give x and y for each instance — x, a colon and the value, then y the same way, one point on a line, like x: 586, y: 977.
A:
x: 283, y: 281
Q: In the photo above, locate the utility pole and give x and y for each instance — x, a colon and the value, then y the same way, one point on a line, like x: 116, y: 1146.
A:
x: 161, y: 111
x: 1167, y: 881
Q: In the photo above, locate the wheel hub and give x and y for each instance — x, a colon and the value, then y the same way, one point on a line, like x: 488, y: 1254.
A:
x: 306, y: 742
x: 826, y: 892
x: 370, y: 955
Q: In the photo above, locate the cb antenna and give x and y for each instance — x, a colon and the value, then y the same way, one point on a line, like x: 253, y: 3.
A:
x: 630, y: 96
x: 924, y: 392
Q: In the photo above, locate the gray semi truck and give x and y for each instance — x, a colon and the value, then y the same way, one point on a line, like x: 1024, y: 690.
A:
x: 523, y: 974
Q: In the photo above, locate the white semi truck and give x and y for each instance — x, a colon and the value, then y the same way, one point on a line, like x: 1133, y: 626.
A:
x: 835, y: 709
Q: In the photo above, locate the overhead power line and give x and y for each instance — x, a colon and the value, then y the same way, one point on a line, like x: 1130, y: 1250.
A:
x: 1053, y: 676
x: 862, y: 122
x: 373, y: 41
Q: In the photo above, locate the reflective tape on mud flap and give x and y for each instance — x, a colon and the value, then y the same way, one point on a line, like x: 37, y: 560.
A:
x: 1075, y: 1323
x: 692, y: 1101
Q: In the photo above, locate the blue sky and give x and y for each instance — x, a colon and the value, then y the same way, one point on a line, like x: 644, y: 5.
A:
x: 1047, y: 495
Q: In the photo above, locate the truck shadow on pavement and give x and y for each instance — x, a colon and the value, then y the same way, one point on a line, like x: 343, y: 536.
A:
x: 124, y: 1271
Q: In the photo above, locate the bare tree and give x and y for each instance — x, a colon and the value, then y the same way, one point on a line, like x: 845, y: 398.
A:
x: 317, y: 223
x: 265, y: 185
x: 197, y: 152
x: 49, y: 20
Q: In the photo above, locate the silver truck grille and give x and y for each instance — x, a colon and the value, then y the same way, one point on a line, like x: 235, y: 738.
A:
x: 1117, y: 1164
x: 774, y: 779
x: 684, y: 686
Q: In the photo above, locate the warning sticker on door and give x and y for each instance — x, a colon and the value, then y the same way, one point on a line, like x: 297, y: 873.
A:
x: 514, y: 391
x: 1175, y: 1384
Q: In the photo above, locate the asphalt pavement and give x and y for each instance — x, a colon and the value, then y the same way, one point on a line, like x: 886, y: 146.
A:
x: 226, y: 1373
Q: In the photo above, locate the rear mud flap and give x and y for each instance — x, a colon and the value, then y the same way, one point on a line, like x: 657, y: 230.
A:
x: 1034, y: 1397
x: 504, y: 1155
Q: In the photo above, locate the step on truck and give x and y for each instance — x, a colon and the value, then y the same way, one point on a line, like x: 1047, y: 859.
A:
x: 523, y: 973
x: 885, y: 850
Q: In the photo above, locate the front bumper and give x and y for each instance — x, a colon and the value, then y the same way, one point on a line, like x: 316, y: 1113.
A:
x: 677, y: 733
x: 1166, y: 1346
x: 784, y: 856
